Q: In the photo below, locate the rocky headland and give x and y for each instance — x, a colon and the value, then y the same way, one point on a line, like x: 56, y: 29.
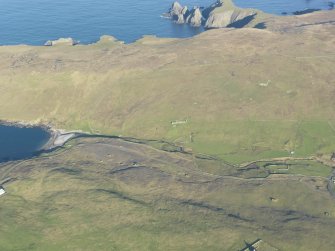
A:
x: 221, y: 14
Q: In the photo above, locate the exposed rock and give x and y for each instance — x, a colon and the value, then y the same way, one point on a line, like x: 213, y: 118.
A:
x: 333, y: 157
x: 178, y: 13
x: 306, y: 11
x: 195, y: 17
x: 221, y: 14
x: 184, y: 11
x: 109, y: 39
x: 180, y: 19
x: 176, y: 9
x: 62, y: 41
x: 48, y: 43
x: 227, y: 18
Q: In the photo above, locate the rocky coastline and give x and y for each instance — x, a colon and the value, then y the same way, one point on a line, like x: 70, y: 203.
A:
x: 221, y: 14
x: 62, y: 41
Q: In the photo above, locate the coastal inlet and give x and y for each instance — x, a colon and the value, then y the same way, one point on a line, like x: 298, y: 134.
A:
x: 20, y: 141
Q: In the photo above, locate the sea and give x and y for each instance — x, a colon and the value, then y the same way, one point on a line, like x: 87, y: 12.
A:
x: 21, y: 142
x: 34, y: 22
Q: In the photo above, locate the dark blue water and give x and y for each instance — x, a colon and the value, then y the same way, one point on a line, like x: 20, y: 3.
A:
x: 36, y: 21
x: 20, y: 143
x: 284, y: 6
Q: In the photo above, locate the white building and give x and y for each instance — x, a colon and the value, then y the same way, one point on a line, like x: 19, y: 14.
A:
x: 2, y: 191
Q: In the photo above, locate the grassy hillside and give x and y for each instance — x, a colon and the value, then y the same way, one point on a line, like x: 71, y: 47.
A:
x: 109, y: 194
x: 238, y: 94
x: 264, y: 98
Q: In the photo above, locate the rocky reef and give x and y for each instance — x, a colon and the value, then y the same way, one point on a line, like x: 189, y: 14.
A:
x: 195, y: 17
x: 181, y: 14
x: 220, y: 14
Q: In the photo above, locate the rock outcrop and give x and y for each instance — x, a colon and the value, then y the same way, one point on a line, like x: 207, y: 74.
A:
x: 195, y: 17
x: 184, y: 11
x: 61, y: 41
x: 176, y: 9
x: 178, y: 13
x: 220, y: 14
x: 228, y: 18
x: 182, y: 15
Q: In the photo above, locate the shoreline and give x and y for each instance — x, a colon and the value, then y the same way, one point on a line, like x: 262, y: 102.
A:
x: 112, y: 38
x: 58, y: 137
